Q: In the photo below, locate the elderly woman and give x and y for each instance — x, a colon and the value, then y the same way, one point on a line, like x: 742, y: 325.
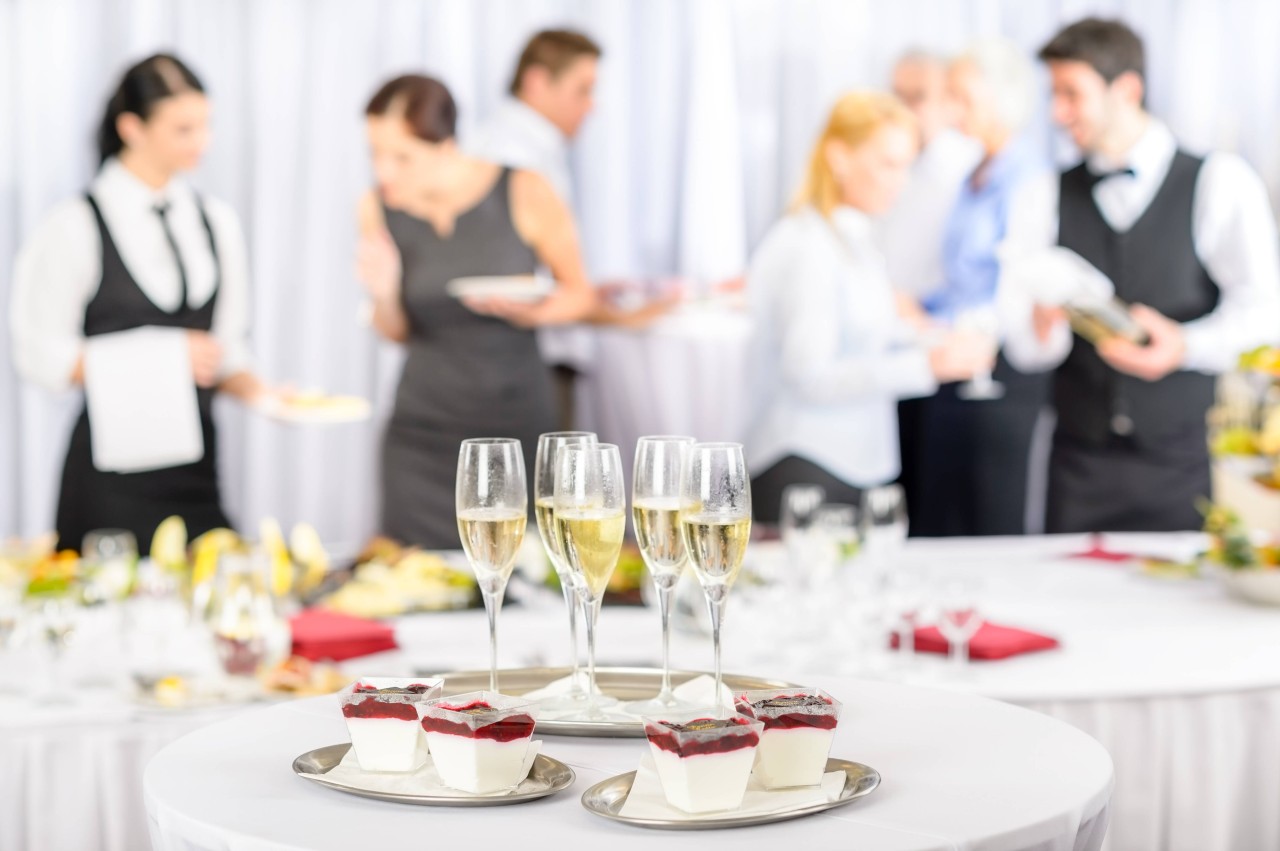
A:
x: 972, y: 463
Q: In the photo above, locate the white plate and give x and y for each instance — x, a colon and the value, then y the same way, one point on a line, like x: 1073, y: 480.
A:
x: 322, y: 410
x: 528, y: 288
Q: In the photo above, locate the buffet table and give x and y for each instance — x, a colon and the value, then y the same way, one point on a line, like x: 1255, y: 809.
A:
x: 959, y: 772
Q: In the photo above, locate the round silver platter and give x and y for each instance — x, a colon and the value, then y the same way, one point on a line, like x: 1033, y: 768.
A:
x: 625, y: 684
x: 547, y: 777
x: 607, y: 797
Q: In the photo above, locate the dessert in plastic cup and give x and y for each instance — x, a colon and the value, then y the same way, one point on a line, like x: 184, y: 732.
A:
x: 703, y: 762
x: 799, y: 725
x: 479, y: 739
x: 382, y: 720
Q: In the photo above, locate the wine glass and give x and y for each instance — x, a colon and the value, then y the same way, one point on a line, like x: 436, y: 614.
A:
x: 983, y: 321
x: 884, y: 515
x: 108, y: 557
x: 715, y: 519
x: 799, y: 506
x: 655, y: 514
x: 544, y: 486
x: 958, y: 618
x: 493, y: 509
x: 590, y: 513
x: 239, y: 635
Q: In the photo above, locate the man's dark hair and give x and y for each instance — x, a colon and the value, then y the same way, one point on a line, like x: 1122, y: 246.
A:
x: 554, y: 50
x: 1110, y: 47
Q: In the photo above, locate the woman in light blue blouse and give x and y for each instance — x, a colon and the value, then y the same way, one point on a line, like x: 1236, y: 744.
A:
x: 975, y: 453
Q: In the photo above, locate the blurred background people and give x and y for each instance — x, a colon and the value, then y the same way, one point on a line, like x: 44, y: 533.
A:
x: 1189, y: 241
x: 831, y: 356
x: 971, y: 459
x: 137, y: 291
x: 472, y: 367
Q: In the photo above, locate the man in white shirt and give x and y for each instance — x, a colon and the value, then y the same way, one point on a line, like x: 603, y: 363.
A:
x: 1190, y: 242
x: 550, y: 96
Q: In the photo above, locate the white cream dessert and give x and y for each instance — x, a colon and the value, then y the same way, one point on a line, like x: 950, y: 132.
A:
x: 382, y: 721
x: 479, y: 740
x: 799, y: 726
x: 703, y: 763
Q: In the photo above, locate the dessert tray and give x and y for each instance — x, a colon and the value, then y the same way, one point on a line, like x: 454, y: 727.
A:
x: 547, y: 777
x: 624, y: 684
x: 607, y: 798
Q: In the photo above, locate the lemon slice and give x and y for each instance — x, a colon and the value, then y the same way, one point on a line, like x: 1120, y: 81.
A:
x: 308, y: 551
x: 208, y: 547
x: 278, y: 554
x: 169, y: 543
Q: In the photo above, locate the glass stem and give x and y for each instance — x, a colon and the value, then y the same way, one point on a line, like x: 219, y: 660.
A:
x: 571, y: 600
x: 906, y: 641
x: 590, y: 611
x: 493, y: 602
x: 664, y: 610
x: 959, y: 654
x: 716, y: 609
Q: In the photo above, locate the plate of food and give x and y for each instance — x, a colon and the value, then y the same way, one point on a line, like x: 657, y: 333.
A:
x: 390, y: 580
x: 526, y: 288
x: 313, y: 407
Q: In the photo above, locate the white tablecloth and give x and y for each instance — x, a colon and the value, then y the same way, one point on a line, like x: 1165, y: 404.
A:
x: 685, y: 374
x: 959, y: 773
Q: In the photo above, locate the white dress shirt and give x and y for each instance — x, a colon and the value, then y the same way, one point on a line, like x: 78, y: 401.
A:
x: 1234, y: 235
x: 58, y: 270
x: 911, y: 233
x: 518, y: 135
x: 830, y: 356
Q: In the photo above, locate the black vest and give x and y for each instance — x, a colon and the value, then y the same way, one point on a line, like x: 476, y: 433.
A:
x: 1153, y: 263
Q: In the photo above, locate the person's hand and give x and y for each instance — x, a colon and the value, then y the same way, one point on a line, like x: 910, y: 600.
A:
x: 1162, y: 354
x: 910, y: 312
x: 378, y: 266
x: 1045, y: 319
x: 961, y: 355
x: 206, y: 358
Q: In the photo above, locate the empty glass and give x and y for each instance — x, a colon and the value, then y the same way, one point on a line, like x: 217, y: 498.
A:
x: 959, y: 618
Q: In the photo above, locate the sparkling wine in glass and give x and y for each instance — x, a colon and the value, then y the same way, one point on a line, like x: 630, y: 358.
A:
x: 715, y: 520
x: 655, y: 514
x: 590, y: 515
x: 493, y: 509
x: 544, y: 484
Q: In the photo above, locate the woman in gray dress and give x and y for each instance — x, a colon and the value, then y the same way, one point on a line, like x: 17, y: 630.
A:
x: 473, y: 368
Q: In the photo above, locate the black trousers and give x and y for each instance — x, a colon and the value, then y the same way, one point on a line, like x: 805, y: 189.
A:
x: 1124, y: 486
x: 966, y: 463
x: 766, y: 488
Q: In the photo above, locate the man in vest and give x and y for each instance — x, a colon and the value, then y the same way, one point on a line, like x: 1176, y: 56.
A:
x: 1188, y: 241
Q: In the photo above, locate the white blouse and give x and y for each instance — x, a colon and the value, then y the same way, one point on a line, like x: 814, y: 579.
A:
x: 831, y: 357
x: 1234, y: 236
x: 58, y: 270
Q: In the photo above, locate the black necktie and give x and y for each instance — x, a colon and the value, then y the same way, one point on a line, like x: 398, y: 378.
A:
x: 1097, y: 177
x: 162, y: 210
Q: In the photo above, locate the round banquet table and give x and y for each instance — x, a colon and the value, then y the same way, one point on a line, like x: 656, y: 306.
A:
x: 959, y: 772
x: 1178, y: 681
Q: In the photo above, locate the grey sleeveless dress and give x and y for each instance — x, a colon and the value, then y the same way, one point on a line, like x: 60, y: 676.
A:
x: 466, y: 375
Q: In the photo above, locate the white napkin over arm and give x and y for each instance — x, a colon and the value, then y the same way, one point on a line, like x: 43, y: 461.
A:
x: 141, y: 397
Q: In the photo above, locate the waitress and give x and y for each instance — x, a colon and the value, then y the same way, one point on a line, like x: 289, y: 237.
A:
x: 472, y: 368
x: 140, y: 276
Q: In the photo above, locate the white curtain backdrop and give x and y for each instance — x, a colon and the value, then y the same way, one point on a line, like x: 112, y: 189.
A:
x: 706, y: 109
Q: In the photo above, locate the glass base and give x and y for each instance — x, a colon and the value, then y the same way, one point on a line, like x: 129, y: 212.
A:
x: 985, y: 391
x: 656, y: 706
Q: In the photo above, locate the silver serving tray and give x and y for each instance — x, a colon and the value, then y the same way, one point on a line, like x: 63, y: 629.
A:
x: 625, y: 684
x: 607, y: 797
x: 547, y: 777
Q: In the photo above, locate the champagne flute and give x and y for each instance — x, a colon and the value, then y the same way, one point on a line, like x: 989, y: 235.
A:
x: 715, y: 519
x: 984, y: 321
x: 655, y: 513
x: 590, y: 514
x: 544, y: 486
x: 493, y: 509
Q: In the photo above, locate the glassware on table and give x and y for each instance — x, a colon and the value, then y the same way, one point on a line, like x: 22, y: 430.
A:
x: 108, y: 558
x: 655, y: 514
x: 905, y: 591
x: 58, y: 616
x: 492, y: 498
x: 884, y: 522
x: 985, y: 322
x: 544, y: 485
x: 836, y: 528
x: 799, y: 506
x: 715, y: 519
x: 239, y: 633
x: 959, y: 618
x: 590, y: 514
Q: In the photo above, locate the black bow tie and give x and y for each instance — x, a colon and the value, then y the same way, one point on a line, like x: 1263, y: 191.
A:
x: 1098, y: 177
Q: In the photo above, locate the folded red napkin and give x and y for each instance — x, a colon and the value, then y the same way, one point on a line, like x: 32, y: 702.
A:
x: 322, y: 634
x: 991, y: 641
x: 1099, y: 552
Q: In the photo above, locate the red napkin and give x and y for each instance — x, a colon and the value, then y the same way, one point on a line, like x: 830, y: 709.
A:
x: 322, y: 634
x: 1098, y: 552
x: 991, y: 641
